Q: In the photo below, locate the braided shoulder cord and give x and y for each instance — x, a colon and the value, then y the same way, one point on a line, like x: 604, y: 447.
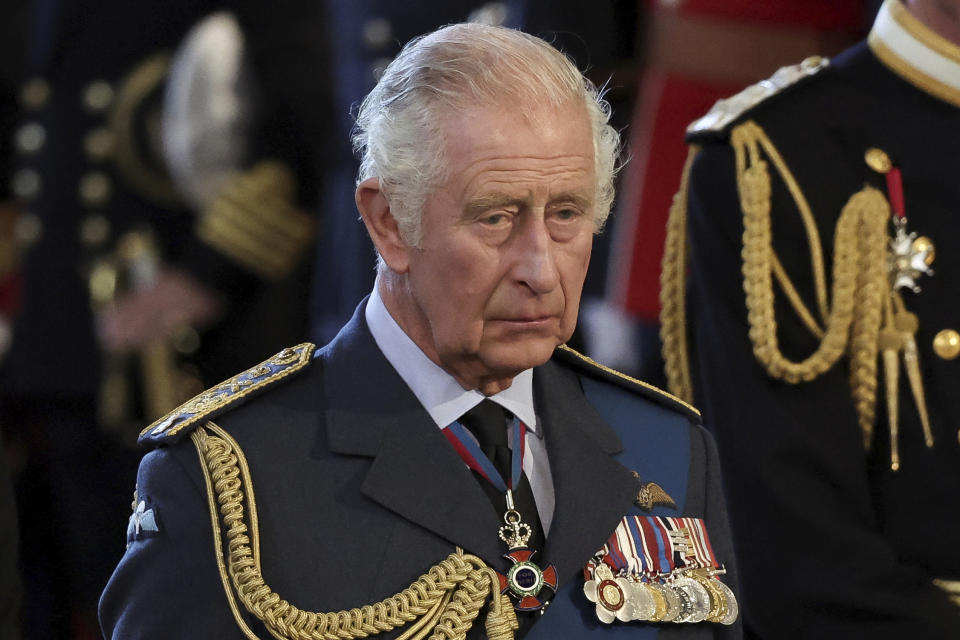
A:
x: 872, y: 210
x: 443, y: 603
x: 673, y: 276
x: 859, y: 277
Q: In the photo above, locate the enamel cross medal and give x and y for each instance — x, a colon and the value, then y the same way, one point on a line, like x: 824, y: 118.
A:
x: 525, y: 579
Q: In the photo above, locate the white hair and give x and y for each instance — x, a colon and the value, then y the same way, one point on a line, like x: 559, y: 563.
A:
x: 399, y: 128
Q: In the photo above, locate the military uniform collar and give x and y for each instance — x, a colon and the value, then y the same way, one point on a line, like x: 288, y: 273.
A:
x: 914, y: 52
x: 439, y: 393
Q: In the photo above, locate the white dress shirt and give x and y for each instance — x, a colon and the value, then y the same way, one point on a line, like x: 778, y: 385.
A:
x: 445, y: 400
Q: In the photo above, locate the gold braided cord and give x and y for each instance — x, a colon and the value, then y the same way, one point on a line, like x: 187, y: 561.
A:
x: 872, y: 292
x: 753, y: 183
x: 786, y: 285
x: 852, y: 323
x: 198, y: 436
x: 442, y: 604
x: 806, y: 215
x: 673, y: 276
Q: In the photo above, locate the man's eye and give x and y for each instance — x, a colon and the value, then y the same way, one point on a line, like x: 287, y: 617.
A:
x: 494, y: 219
x: 566, y: 214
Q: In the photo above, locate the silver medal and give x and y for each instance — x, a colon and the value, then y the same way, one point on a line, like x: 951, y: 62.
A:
x: 699, y: 599
x: 640, y: 603
x: 733, y: 609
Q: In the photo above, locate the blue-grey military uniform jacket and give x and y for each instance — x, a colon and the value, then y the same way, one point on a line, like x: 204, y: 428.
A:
x: 357, y: 493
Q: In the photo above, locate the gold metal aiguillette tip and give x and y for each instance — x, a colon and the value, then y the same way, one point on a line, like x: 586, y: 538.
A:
x: 878, y: 160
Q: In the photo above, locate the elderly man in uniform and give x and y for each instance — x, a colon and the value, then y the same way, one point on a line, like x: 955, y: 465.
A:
x: 824, y: 345
x: 444, y: 467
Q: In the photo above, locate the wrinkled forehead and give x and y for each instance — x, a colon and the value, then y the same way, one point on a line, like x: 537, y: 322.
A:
x: 514, y: 128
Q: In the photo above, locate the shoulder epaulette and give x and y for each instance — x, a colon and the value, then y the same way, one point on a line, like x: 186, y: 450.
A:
x: 725, y: 112
x: 228, y: 394
x: 596, y: 370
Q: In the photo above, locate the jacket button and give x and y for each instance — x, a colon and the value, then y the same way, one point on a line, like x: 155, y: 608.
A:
x: 97, y: 96
x: 30, y: 137
x: 26, y: 184
x: 35, y: 93
x: 946, y: 344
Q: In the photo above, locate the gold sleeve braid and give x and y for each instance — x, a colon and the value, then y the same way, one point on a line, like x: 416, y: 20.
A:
x: 851, y: 323
x: 254, y: 221
x: 441, y: 604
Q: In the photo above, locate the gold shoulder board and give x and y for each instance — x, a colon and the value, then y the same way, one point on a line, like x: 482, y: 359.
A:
x: 216, y: 400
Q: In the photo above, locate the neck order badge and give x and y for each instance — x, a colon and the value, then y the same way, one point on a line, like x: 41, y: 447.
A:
x: 525, y: 580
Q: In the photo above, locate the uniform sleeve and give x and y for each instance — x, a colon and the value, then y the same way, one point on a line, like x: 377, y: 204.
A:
x: 812, y: 559
x: 167, y: 584
x: 263, y: 223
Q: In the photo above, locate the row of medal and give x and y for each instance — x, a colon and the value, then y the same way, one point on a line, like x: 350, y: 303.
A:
x: 659, y: 569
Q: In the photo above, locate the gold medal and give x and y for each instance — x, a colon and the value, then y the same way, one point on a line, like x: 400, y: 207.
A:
x: 671, y: 601
x: 718, y: 604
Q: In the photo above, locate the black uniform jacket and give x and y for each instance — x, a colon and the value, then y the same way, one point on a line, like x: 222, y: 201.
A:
x: 358, y: 493
x: 833, y: 543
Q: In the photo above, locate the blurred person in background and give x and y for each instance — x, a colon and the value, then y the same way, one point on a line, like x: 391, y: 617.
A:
x: 810, y: 306
x: 125, y: 286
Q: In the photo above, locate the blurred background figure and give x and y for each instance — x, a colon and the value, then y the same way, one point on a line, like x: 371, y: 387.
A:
x: 694, y: 52
x: 367, y: 34
x: 802, y: 315
x: 126, y: 285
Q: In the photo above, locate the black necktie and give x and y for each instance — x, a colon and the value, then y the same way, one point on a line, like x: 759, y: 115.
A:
x: 488, y: 423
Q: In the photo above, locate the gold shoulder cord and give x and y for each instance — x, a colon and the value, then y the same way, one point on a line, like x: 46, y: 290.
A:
x: 441, y: 604
x: 851, y: 323
x: 673, y: 282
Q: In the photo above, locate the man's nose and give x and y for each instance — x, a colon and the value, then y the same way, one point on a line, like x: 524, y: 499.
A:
x: 535, y: 260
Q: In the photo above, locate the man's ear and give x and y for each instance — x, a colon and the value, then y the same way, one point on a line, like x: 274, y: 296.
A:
x: 381, y: 225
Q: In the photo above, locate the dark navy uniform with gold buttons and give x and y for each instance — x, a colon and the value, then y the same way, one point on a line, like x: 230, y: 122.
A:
x: 89, y: 66
x: 818, y: 226
x: 98, y: 217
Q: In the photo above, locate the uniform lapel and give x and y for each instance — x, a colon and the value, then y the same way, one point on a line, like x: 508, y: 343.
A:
x: 415, y: 473
x: 593, y: 491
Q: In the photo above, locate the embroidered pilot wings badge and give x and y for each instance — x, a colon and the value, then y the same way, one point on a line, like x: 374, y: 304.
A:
x: 651, y: 495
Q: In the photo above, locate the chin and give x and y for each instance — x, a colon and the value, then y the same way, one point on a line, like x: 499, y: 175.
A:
x: 517, y: 357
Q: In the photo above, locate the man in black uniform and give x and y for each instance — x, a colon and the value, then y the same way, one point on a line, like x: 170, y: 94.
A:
x: 822, y: 345
x: 325, y: 479
x: 100, y: 220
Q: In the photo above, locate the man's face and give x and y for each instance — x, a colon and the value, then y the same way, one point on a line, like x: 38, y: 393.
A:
x: 496, y: 282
